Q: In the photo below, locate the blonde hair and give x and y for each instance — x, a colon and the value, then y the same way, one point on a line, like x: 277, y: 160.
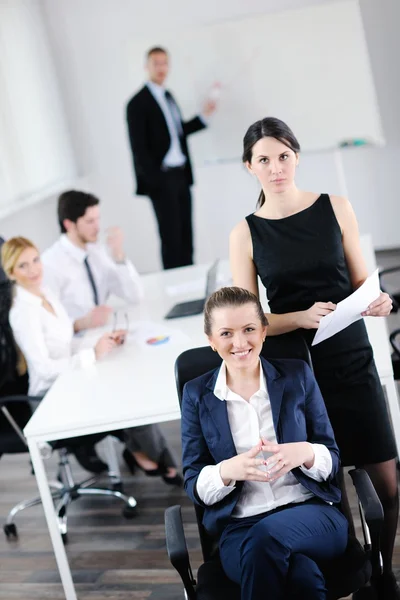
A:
x: 22, y: 367
x: 11, y: 250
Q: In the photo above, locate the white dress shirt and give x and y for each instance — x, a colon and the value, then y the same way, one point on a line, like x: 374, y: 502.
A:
x: 174, y: 156
x: 248, y: 422
x: 45, y: 339
x: 65, y: 273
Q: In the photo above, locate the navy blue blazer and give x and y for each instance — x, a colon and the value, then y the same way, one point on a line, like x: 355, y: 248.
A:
x: 299, y: 415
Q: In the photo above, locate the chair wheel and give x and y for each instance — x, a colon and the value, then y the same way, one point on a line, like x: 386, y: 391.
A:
x: 129, y: 512
x: 10, y: 530
x: 64, y: 537
x: 117, y: 487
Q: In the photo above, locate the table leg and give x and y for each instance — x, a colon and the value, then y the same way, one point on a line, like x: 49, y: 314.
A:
x: 48, y: 507
x: 394, y: 408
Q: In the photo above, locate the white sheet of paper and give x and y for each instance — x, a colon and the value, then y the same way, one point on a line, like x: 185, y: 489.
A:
x: 348, y: 310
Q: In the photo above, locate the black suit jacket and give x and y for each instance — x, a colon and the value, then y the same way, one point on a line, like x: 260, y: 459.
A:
x: 150, y: 140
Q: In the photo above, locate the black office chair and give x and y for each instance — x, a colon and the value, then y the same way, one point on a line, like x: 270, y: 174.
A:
x: 387, y: 285
x: 393, y: 289
x: 344, y: 575
x: 394, y: 339
x: 15, y: 413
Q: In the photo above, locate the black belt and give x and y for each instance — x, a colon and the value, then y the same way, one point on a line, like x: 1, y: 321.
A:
x: 169, y: 169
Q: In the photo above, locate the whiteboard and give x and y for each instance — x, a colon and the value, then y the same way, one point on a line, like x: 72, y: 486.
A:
x: 308, y: 67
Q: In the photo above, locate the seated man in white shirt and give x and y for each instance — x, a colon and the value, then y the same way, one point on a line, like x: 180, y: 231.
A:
x: 82, y: 272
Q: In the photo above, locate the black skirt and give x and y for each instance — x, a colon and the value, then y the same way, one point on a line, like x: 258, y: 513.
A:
x: 345, y: 370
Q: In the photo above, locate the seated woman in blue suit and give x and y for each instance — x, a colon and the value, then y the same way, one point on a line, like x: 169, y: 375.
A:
x: 259, y: 455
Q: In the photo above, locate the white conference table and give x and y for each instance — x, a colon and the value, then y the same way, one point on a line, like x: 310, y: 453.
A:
x: 135, y: 385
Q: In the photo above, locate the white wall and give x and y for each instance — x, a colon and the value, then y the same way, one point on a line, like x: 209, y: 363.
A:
x: 90, y: 40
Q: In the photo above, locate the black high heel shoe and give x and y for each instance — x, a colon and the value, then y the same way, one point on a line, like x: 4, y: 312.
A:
x: 387, y: 587
x: 175, y: 480
x: 133, y: 464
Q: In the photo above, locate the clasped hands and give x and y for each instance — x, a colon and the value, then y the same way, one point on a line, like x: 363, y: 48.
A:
x: 284, y: 458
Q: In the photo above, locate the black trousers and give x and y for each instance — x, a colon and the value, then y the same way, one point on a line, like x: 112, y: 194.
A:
x: 172, y: 204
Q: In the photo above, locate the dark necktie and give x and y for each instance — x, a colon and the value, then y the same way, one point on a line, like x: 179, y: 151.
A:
x: 174, y: 111
x: 92, y: 283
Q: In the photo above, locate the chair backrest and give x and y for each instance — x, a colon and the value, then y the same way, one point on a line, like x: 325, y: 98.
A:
x: 8, y: 349
x: 3, y: 276
x: 198, y: 361
x: 387, y: 284
x: 11, y: 383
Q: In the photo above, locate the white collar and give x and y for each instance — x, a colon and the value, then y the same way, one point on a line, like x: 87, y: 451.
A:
x: 23, y: 294
x: 221, y: 390
x: 78, y: 253
x: 156, y: 89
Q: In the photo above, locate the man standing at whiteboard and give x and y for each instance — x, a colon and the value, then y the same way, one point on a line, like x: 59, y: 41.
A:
x: 161, y: 158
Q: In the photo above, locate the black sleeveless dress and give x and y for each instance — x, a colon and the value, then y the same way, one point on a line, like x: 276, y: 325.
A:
x: 300, y: 260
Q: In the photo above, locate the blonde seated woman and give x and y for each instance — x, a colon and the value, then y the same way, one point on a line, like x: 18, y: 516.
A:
x: 44, y: 333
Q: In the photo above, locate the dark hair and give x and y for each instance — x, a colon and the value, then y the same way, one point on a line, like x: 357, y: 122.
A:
x: 72, y: 205
x: 268, y: 127
x: 231, y: 296
x: 155, y: 50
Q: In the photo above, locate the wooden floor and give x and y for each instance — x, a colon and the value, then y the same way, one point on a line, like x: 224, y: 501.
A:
x: 111, y: 558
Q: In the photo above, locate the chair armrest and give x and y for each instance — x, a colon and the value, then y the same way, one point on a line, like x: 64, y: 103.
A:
x: 177, y: 549
x: 392, y: 340
x: 371, y: 513
x: 370, y: 503
x: 12, y: 399
x: 389, y: 270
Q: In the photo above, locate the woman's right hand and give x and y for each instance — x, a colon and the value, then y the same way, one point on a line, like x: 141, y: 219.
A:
x: 310, y: 318
x: 243, y: 467
x: 108, y: 342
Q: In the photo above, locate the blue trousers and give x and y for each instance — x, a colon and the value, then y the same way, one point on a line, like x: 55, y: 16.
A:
x: 272, y: 555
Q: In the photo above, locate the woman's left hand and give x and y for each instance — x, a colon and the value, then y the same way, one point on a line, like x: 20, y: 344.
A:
x: 286, y: 457
x: 381, y: 307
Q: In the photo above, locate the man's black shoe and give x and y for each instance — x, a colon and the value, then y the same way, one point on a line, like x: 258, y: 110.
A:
x: 89, y: 459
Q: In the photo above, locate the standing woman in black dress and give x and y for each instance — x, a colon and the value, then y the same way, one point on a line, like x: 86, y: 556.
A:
x: 305, y: 248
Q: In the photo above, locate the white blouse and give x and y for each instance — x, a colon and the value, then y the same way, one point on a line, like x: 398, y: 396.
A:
x: 249, y: 421
x: 44, y: 338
